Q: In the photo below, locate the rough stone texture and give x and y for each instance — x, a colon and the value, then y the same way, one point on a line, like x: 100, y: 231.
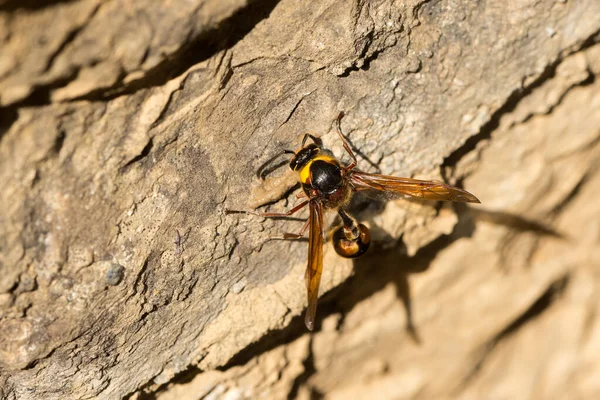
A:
x: 127, y: 127
x: 88, y: 48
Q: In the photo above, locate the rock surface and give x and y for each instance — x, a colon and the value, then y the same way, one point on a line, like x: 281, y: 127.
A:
x: 127, y: 127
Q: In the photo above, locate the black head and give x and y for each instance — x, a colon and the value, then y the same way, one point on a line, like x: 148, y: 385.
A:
x: 304, y: 155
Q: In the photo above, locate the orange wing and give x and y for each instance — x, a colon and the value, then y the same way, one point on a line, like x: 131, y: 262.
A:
x: 315, y: 261
x: 427, y: 190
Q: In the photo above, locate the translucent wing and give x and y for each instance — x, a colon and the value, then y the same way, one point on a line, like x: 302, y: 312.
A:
x: 427, y: 190
x: 315, y: 261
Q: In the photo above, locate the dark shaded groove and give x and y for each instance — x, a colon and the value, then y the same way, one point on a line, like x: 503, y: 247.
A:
x: 511, y: 103
x: 207, y: 44
x: 590, y: 80
x: 144, y: 393
x: 40, y: 95
x: 543, y: 303
x: 558, y: 208
x: 59, y: 142
x: 145, y: 151
x: 550, y: 295
x: 142, y: 319
x: 271, y: 340
x: 366, y: 65
x: 315, y: 394
x: 13, y: 5
x: 266, y: 343
x: 228, y: 73
x: 69, y: 39
x: 224, y: 36
x: 291, y: 113
x: 8, y: 116
x: 34, y: 363
x: 309, y: 370
x: 140, y: 275
x: 417, y: 9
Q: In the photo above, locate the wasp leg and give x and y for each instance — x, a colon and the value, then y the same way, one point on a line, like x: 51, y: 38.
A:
x: 315, y: 139
x: 293, y: 236
x: 345, y: 142
x: 271, y: 215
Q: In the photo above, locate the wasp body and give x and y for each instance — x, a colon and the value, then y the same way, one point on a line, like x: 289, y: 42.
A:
x: 328, y: 184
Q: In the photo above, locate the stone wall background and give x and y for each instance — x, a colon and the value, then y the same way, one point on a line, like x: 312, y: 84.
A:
x: 124, y: 123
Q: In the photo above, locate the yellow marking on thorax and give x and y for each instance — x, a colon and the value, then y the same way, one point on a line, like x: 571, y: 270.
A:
x: 305, y: 171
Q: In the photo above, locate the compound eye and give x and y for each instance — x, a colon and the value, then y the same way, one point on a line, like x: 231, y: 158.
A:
x: 351, y: 248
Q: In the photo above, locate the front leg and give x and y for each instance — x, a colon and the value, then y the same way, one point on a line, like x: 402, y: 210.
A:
x: 271, y: 215
x: 345, y: 142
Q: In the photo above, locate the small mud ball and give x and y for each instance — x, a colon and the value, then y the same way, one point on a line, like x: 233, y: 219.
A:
x: 115, y: 274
